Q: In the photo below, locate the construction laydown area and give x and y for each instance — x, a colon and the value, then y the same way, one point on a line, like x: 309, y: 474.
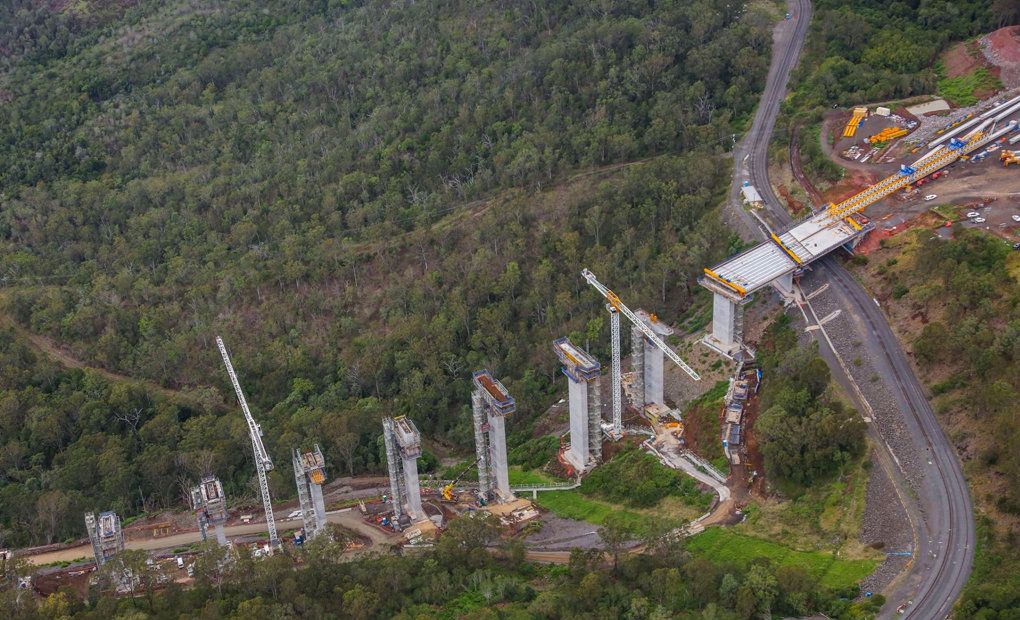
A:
x: 843, y: 224
x: 411, y: 510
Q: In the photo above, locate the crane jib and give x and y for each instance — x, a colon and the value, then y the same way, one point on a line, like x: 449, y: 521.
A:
x: 617, y: 303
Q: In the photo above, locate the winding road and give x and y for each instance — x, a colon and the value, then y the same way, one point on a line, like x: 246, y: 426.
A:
x: 939, y: 508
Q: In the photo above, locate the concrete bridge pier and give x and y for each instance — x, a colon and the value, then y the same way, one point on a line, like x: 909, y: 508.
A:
x: 727, y: 335
x: 784, y: 284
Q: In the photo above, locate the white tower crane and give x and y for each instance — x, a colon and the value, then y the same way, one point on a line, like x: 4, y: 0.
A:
x: 263, y: 462
x: 617, y: 305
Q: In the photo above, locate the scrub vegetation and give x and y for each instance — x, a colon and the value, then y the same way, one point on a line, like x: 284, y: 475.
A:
x: 367, y: 201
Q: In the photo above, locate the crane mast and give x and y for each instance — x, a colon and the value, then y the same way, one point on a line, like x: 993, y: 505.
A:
x: 614, y: 335
x: 263, y: 462
x: 617, y: 303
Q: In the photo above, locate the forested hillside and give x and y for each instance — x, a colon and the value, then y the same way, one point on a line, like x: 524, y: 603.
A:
x: 876, y: 50
x: 966, y: 341
x: 367, y: 200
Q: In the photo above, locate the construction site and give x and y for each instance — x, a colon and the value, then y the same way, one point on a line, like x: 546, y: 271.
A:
x: 956, y: 167
x: 404, y: 511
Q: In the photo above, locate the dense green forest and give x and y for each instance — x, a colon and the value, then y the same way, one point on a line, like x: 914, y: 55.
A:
x: 806, y: 435
x: 368, y: 200
x: 471, y: 574
x: 968, y: 291
x: 874, y: 50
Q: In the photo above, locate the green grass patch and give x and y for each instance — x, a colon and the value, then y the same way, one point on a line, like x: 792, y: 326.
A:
x: 573, y: 505
x: 535, y: 453
x: 960, y: 89
x: 723, y: 545
x: 518, y: 476
x: 638, y: 480
x: 947, y: 211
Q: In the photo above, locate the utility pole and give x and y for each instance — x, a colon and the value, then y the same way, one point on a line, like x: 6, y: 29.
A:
x: 263, y: 462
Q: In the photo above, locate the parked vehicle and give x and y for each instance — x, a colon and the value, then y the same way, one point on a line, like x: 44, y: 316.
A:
x: 930, y: 197
x: 979, y: 220
x: 1016, y: 218
x: 973, y: 214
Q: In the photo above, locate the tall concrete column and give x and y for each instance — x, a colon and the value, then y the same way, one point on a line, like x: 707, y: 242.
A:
x: 319, y: 504
x: 594, y: 389
x: 497, y: 450
x: 727, y: 325
x: 411, y: 489
x: 577, y: 395
x: 393, y: 468
x: 221, y: 535
x: 479, y: 417
x: 653, y: 373
x: 637, y: 364
x: 784, y: 284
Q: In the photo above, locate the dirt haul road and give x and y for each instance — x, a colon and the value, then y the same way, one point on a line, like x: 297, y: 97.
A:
x: 346, y: 518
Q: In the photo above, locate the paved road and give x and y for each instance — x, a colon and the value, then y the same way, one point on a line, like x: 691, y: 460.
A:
x: 944, y: 526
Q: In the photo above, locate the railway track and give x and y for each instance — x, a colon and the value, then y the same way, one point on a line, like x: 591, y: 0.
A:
x: 945, y: 531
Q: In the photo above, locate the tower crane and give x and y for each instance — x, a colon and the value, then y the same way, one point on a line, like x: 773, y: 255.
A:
x: 263, y: 462
x: 616, y: 307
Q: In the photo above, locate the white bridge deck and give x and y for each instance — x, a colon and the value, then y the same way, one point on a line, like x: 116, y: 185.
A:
x: 829, y: 228
x: 809, y: 240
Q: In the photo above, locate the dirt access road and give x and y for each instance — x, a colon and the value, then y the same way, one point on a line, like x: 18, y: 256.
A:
x: 347, y: 518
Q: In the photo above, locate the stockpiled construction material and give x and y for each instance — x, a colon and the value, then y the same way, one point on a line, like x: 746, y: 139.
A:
x: 855, y: 121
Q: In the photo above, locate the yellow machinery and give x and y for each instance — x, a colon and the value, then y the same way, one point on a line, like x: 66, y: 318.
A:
x: 889, y: 133
x: 855, y: 120
x: 448, y: 489
x: 1009, y: 157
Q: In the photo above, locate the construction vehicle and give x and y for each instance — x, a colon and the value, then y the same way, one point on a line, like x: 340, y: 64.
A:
x: 448, y: 489
x: 1009, y: 157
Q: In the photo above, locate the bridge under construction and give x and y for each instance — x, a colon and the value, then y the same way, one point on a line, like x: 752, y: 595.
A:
x: 785, y: 253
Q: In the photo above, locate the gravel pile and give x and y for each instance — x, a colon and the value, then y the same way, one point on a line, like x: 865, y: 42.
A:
x: 868, y: 369
x: 558, y: 534
x: 886, y: 527
x: 1001, y: 48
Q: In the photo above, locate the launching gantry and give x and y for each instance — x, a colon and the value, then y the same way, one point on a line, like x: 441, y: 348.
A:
x: 584, y: 383
x: 490, y: 406
x: 403, y: 448
x: 210, y: 506
x: 776, y: 261
x: 310, y: 474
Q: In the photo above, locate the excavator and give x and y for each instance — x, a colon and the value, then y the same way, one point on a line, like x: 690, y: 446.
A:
x: 448, y: 489
x: 1009, y: 157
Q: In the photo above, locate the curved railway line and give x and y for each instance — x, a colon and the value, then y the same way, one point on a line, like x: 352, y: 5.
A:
x: 945, y: 532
